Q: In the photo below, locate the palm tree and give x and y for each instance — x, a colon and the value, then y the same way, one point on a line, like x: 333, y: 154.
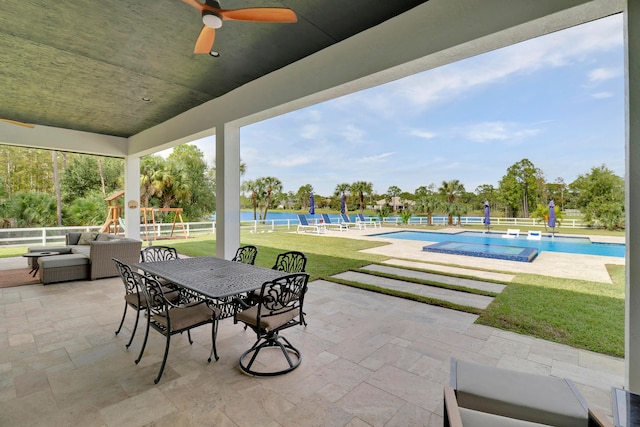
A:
x: 428, y: 203
x: 361, y: 188
x: 274, y: 185
x: 249, y: 187
x: 450, y: 190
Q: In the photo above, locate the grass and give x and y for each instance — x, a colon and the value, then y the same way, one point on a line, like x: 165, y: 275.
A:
x: 578, y: 313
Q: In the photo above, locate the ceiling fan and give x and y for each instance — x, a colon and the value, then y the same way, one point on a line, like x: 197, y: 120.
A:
x: 213, y: 16
x: 15, y: 122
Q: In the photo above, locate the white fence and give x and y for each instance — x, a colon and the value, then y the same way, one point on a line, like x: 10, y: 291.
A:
x: 56, y: 235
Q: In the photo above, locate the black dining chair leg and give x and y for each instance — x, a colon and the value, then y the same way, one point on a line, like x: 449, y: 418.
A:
x: 189, y: 335
x: 135, y: 328
x: 214, y: 335
x: 124, y: 314
x: 144, y: 343
x: 164, y: 359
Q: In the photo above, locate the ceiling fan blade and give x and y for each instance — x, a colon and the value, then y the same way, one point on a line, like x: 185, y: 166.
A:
x: 260, y: 14
x: 204, y: 44
x: 195, y: 4
x: 14, y: 122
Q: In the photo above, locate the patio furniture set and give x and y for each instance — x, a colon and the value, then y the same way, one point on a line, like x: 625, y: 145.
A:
x: 85, y: 256
x: 179, y: 294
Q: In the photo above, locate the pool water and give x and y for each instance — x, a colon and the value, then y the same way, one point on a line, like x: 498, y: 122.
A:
x: 574, y: 245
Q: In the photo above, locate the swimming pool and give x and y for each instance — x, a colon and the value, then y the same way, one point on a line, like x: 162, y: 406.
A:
x: 574, y: 245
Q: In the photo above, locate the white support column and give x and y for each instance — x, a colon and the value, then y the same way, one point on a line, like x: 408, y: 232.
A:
x: 132, y: 194
x: 227, y: 190
x: 632, y: 183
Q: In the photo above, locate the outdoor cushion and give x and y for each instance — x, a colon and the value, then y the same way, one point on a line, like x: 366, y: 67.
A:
x: 250, y: 316
x: 102, y: 237
x: 483, y: 419
x: 62, y: 261
x: 536, y: 398
x: 81, y: 250
x: 184, y: 317
x: 87, y: 237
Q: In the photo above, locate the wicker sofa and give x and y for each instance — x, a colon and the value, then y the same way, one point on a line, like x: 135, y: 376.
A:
x: 86, y: 255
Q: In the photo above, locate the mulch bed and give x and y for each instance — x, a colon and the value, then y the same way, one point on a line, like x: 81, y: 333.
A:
x: 18, y: 277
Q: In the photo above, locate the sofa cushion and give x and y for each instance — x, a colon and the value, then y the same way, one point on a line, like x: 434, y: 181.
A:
x: 62, y: 261
x: 536, y: 398
x: 103, y: 237
x: 87, y: 237
x: 84, y: 250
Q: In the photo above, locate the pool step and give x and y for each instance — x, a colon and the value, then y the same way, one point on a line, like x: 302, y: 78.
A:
x: 443, y: 294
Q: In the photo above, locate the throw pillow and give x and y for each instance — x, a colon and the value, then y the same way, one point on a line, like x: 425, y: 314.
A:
x: 103, y: 237
x: 87, y: 237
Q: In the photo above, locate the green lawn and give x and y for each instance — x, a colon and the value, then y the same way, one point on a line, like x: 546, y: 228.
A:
x: 577, y: 313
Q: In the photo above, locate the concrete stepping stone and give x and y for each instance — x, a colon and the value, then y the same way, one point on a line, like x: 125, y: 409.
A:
x: 456, y: 297
x: 447, y: 280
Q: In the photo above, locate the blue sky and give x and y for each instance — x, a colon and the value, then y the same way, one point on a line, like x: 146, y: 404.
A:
x: 557, y: 100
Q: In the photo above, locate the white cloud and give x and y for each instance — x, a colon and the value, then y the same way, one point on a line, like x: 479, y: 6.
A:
x: 352, y: 133
x: 497, y: 131
x: 446, y: 83
x: 422, y: 134
x: 600, y: 74
x: 602, y: 95
x: 291, y: 162
x: 376, y: 158
x: 310, y: 131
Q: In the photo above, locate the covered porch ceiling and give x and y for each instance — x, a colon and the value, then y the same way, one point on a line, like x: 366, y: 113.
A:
x: 119, y: 78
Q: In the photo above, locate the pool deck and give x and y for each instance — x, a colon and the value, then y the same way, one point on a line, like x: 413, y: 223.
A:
x: 562, y: 265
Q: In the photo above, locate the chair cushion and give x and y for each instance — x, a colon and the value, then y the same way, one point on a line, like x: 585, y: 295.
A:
x: 250, y: 317
x: 536, y: 398
x: 170, y: 294
x: 185, y: 317
x: 473, y: 418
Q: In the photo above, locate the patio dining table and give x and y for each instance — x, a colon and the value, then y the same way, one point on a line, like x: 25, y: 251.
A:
x: 217, y: 280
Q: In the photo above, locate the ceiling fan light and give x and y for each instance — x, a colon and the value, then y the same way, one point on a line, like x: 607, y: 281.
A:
x: 211, y: 20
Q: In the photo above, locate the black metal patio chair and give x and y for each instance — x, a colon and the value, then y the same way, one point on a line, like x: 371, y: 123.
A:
x: 170, y: 318
x: 158, y: 253
x: 246, y: 254
x: 279, y: 307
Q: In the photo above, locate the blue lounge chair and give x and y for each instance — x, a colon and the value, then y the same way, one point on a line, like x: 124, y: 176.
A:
x: 328, y: 223
x: 368, y: 221
x: 347, y: 220
x: 305, y: 226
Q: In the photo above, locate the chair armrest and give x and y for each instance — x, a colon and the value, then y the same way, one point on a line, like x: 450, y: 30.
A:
x: 451, y: 411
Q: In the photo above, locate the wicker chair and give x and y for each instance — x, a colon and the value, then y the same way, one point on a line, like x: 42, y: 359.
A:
x: 170, y: 318
x: 246, y: 254
x: 279, y: 307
